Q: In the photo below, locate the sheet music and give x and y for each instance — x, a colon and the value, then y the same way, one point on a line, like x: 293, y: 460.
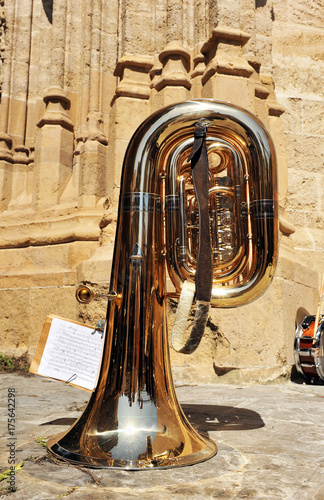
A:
x: 72, y: 353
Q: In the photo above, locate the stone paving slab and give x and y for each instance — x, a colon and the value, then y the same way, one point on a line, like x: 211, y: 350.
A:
x: 270, y: 445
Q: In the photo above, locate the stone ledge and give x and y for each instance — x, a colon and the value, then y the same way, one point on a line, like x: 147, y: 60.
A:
x: 226, y: 33
x: 236, y: 67
x: 75, y: 227
x: 34, y: 277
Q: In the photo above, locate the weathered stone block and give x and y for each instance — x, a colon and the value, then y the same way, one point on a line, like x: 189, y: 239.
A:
x: 313, y: 123
x: 310, y: 13
x: 292, y: 117
x: 234, y: 90
x: 298, y: 153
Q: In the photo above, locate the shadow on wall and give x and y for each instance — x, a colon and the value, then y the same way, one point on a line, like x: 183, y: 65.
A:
x: 48, y: 9
x: 260, y: 3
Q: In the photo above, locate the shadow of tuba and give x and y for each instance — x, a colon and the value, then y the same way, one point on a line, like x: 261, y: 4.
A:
x: 133, y: 419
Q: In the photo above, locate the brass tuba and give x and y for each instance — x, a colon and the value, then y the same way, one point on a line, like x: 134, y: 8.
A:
x: 133, y: 419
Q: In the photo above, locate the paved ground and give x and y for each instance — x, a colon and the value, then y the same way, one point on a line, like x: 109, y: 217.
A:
x: 270, y: 445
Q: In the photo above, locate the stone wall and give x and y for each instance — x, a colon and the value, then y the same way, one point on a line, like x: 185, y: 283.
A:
x: 298, y: 63
x: 77, y: 78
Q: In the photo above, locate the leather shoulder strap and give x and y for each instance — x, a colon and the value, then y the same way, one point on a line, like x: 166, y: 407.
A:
x: 204, y: 269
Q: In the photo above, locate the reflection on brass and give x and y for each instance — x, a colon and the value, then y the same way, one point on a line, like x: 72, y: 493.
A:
x: 84, y: 294
x: 133, y: 419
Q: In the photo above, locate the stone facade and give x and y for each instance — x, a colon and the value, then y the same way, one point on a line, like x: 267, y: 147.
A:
x: 77, y: 78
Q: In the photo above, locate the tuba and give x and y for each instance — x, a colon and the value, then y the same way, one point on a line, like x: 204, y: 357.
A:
x: 133, y: 419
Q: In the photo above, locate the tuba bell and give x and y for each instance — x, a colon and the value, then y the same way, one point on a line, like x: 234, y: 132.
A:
x: 133, y: 419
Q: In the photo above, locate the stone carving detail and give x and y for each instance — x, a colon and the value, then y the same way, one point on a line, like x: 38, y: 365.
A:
x: 134, y: 74
x: 57, y: 104
x: 3, y: 27
x: 175, y: 60
x: 224, y: 55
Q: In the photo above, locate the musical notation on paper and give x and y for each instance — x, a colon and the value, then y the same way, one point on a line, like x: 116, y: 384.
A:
x: 71, y: 353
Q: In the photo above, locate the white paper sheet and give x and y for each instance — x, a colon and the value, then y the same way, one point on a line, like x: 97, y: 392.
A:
x: 72, y: 353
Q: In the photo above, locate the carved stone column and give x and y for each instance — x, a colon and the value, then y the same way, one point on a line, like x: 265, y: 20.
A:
x: 92, y: 146
x: 81, y: 132
x: 54, y: 152
x: 58, y: 43
x: 7, y: 48
x: 54, y: 141
x: 199, y: 67
x: 95, y: 116
x: 227, y: 12
x: 13, y: 152
x: 227, y: 72
x: 174, y: 82
x: 18, y: 197
x: 5, y: 169
x: 174, y: 21
x: 20, y: 75
x: 131, y: 106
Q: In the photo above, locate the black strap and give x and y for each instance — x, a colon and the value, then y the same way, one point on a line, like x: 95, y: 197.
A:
x: 199, y: 169
x: 204, y: 269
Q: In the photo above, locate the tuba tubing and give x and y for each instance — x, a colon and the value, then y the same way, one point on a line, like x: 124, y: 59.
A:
x: 133, y: 419
x: 154, y: 153
x: 240, y: 136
